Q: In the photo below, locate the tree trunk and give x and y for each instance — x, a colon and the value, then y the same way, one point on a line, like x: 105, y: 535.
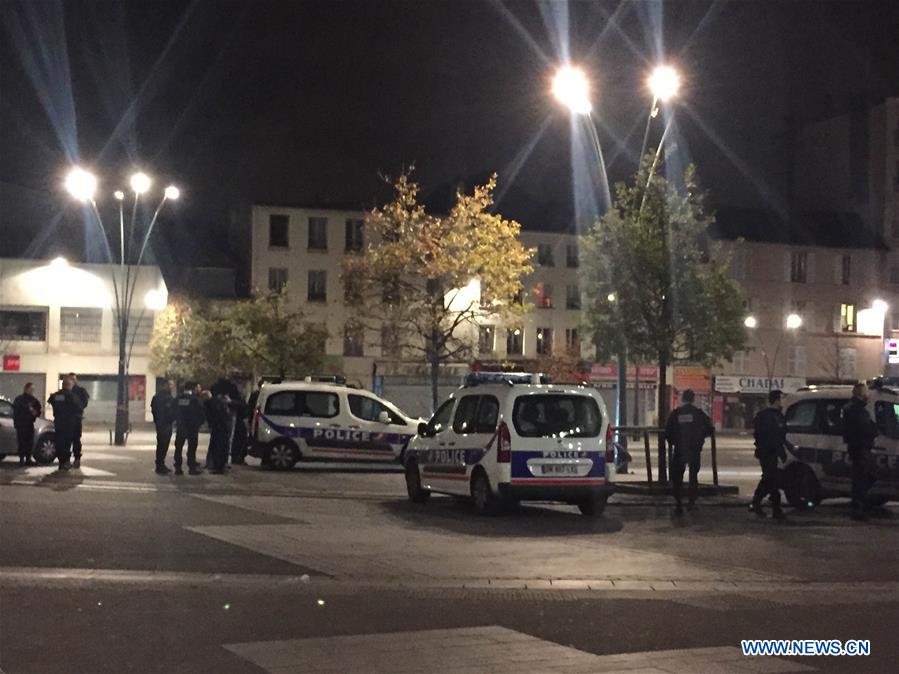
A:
x: 121, y: 409
x: 663, y: 408
x: 435, y: 374
x: 621, y: 416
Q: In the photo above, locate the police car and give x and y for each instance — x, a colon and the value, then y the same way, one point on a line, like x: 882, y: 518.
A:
x: 505, y: 437
x: 317, y: 420
x: 818, y: 465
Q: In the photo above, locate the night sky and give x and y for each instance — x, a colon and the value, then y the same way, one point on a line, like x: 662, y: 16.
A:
x: 310, y: 102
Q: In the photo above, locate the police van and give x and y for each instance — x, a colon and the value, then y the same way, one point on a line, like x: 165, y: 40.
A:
x: 297, y: 420
x: 505, y: 437
x: 818, y: 465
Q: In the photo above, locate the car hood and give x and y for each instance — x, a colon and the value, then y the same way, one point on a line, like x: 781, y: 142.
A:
x: 42, y: 425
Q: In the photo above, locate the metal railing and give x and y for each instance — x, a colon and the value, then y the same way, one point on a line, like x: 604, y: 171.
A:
x: 645, y: 432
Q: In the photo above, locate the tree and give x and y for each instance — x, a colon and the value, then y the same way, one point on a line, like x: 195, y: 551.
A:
x: 656, y: 285
x: 425, y: 280
x: 260, y: 335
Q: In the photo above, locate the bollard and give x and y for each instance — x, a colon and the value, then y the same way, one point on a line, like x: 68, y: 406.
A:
x: 648, y: 456
x: 714, y: 459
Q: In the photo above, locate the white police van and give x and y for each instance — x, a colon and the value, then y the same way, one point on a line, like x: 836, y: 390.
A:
x: 504, y: 438
x: 316, y: 420
x: 818, y: 466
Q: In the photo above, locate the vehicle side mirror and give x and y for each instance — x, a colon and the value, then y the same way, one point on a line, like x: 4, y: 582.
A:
x: 383, y: 417
x: 424, y: 430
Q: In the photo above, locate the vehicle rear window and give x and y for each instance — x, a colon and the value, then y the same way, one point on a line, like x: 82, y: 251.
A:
x: 801, y: 416
x: 281, y: 403
x: 548, y: 415
x: 303, y: 404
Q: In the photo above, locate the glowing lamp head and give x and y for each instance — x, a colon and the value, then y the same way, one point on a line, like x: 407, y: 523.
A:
x: 172, y: 193
x: 155, y: 300
x: 611, y: 297
x: 794, y: 321
x: 119, y: 195
x: 81, y: 184
x: 572, y: 89
x: 664, y: 83
x: 140, y: 182
x: 750, y: 322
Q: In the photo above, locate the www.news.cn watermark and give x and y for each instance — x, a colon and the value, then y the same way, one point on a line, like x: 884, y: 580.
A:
x: 800, y: 647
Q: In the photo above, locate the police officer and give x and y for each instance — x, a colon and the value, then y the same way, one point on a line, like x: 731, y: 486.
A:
x: 251, y: 410
x: 189, y: 416
x: 686, y: 430
x: 770, y: 432
x: 25, y: 409
x: 219, y: 419
x: 163, y: 408
x: 83, y: 399
x: 225, y: 389
x: 859, y: 432
x: 67, y: 411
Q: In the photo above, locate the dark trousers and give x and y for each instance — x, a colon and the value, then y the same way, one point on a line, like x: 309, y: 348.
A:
x: 239, y: 441
x: 76, y: 438
x: 63, y: 442
x: 163, y: 438
x: 192, y: 441
x: 768, y: 484
x: 862, y: 477
x: 679, y: 462
x: 25, y: 441
x: 217, y: 456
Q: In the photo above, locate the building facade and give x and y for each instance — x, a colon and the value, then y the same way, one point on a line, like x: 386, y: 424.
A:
x: 57, y: 317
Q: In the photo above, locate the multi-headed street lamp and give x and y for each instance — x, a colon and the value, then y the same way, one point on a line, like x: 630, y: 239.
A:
x: 791, y: 324
x: 82, y: 185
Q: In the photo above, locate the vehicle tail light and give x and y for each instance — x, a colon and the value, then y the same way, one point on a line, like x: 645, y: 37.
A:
x: 504, y: 446
x: 610, y: 445
x: 256, y: 414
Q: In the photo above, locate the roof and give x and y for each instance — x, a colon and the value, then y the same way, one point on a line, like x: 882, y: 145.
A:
x: 830, y: 229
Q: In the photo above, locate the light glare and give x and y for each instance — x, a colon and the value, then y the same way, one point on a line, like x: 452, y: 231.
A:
x: 140, y: 182
x: 81, y: 184
x: 155, y: 300
x: 119, y: 195
x: 172, y: 193
x: 880, y: 306
x: 794, y: 321
x: 750, y: 322
x: 572, y: 89
x: 664, y: 83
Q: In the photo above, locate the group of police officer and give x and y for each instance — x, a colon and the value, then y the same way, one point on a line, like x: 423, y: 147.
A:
x: 688, y: 426
x: 221, y: 406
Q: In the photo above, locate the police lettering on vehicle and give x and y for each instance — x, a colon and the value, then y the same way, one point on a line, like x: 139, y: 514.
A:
x: 565, y: 454
x: 341, y: 434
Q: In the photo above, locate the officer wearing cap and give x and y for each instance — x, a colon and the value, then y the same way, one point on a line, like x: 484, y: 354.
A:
x: 686, y: 430
x: 770, y: 432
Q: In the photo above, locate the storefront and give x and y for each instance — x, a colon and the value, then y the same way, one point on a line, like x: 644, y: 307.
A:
x: 642, y: 384
x: 740, y: 397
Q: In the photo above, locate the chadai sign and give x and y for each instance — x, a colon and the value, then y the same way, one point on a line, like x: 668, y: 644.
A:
x: 760, y: 385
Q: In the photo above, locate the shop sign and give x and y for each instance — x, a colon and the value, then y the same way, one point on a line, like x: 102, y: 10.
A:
x: 11, y: 363
x: 757, y: 385
x: 647, y: 372
x: 699, y: 379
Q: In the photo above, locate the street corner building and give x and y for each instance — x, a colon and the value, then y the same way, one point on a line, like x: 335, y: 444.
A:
x: 58, y: 317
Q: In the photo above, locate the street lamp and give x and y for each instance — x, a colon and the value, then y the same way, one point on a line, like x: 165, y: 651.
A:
x: 750, y: 322
x: 792, y: 323
x: 572, y: 89
x: 664, y: 83
x: 82, y: 185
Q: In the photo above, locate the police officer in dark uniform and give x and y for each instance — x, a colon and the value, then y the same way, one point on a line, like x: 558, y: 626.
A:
x: 83, y: 399
x: 859, y: 432
x: 189, y: 416
x: 225, y: 389
x: 686, y: 430
x: 770, y: 432
x: 67, y: 411
x: 218, y: 417
x: 251, y: 410
x: 163, y: 408
x: 25, y: 409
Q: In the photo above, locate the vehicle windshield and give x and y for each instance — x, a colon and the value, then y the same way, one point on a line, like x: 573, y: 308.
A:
x: 552, y: 415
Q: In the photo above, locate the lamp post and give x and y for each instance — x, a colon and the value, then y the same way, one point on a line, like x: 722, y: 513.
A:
x: 791, y: 323
x: 82, y: 185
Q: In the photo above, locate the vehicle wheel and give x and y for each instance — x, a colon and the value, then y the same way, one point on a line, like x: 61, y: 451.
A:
x: 282, y: 455
x: 592, y: 506
x: 417, y: 494
x: 481, y: 494
x: 45, y: 451
x: 801, y: 487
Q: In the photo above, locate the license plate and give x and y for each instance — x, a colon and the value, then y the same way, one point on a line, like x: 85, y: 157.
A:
x: 560, y: 469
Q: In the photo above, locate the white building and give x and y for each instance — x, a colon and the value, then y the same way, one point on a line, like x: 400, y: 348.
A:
x: 57, y: 317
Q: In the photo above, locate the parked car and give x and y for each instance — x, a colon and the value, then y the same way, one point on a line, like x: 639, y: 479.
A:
x: 44, y: 450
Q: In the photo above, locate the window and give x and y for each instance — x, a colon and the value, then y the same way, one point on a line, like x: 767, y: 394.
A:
x: 801, y: 416
x: 6, y: 409
x: 545, y: 255
x: 282, y: 403
x: 739, y: 362
x: 796, y: 361
x: 554, y: 415
x: 486, y: 339
x: 440, y: 421
x: 544, y: 341
x: 740, y: 264
x: 465, y: 418
x: 886, y: 414
x: 847, y: 318
x: 318, y: 233
x: 544, y: 295
x: 80, y: 325
x: 572, y: 297
x: 798, y: 267
x: 277, y: 279
x: 355, y: 229
x: 390, y: 342
x: 390, y: 292
x: 488, y: 415
x: 318, y: 404
x: 368, y: 409
x: 845, y: 270
x: 848, y: 363
x: 353, y: 340
x: 140, y: 329
x: 832, y: 416
x: 572, y: 258
x: 514, y: 341
x: 318, y: 286
x: 573, y: 342
x: 23, y: 325
x: 278, y: 231
x: 352, y: 290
